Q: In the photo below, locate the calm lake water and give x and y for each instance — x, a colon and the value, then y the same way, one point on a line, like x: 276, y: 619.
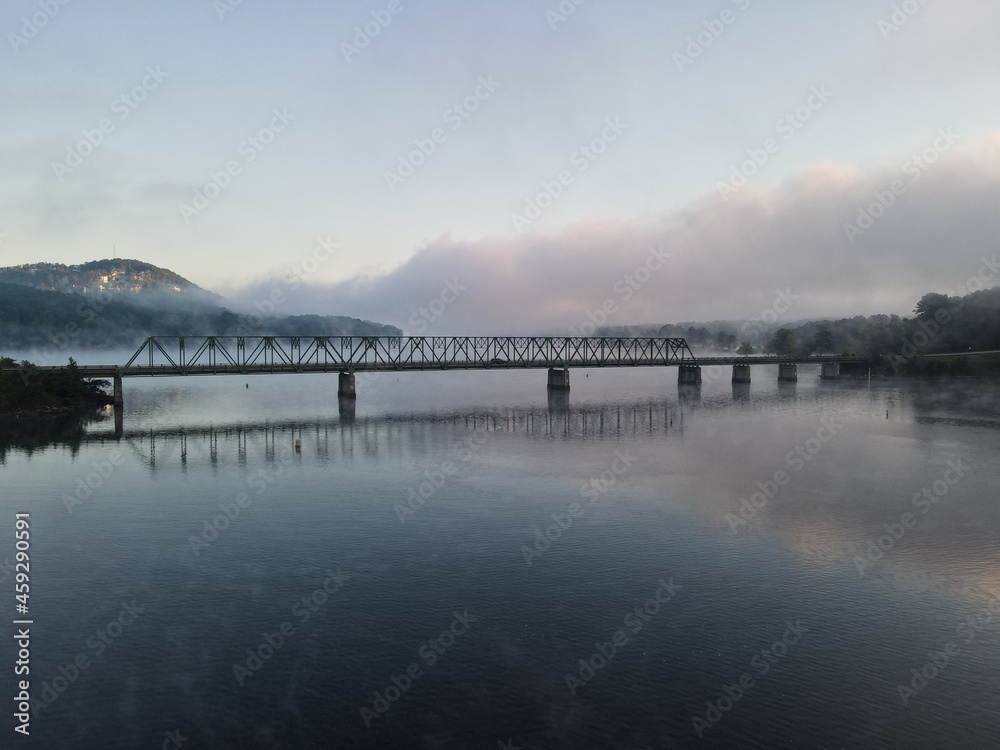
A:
x: 464, y: 564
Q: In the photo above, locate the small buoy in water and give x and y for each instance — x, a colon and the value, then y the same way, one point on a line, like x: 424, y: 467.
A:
x: 886, y: 413
x: 298, y: 446
x: 248, y: 386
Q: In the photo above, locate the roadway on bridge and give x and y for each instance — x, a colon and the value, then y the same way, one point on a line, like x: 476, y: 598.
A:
x: 245, y: 355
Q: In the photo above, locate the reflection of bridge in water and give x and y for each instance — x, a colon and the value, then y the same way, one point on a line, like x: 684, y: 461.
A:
x: 329, y: 439
x: 391, y: 434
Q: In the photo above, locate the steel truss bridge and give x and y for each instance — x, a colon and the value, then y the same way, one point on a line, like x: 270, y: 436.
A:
x: 171, y: 356
x: 246, y: 355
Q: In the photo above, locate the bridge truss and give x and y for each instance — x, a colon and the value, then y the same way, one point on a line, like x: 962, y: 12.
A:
x: 211, y: 355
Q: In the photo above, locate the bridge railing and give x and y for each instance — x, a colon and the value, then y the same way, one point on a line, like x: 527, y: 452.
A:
x: 185, y: 354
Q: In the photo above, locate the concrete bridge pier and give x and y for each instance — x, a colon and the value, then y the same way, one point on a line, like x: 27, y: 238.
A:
x: 830, y: 371
x: 559, y: 379
x: 119, y: 392
x: 345, y: 386
x: 788, y: 373
x: 689, y: 375
x: 741, y: 373
x: 347, y: 406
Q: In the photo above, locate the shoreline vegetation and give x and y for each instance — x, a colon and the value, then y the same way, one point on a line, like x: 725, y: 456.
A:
x: 895, y: 346
x: 26, y: 391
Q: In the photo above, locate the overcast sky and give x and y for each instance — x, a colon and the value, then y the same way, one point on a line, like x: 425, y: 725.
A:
x: 510, y: 166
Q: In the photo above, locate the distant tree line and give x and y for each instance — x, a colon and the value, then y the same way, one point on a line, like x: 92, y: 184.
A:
x: 940, y: 324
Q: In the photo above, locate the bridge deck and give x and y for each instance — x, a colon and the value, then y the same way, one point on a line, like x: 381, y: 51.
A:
x: 248, y: 355
x: 109, y: 371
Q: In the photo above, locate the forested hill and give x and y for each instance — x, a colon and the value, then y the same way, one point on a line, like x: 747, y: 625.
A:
x: 940, y: 324
x: 31, y: 319
x: 133, y: 280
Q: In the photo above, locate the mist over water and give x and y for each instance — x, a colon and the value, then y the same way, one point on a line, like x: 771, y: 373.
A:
x: 464, y: 562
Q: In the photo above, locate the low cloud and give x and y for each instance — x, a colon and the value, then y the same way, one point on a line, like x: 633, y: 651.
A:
x: 726, y: 260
